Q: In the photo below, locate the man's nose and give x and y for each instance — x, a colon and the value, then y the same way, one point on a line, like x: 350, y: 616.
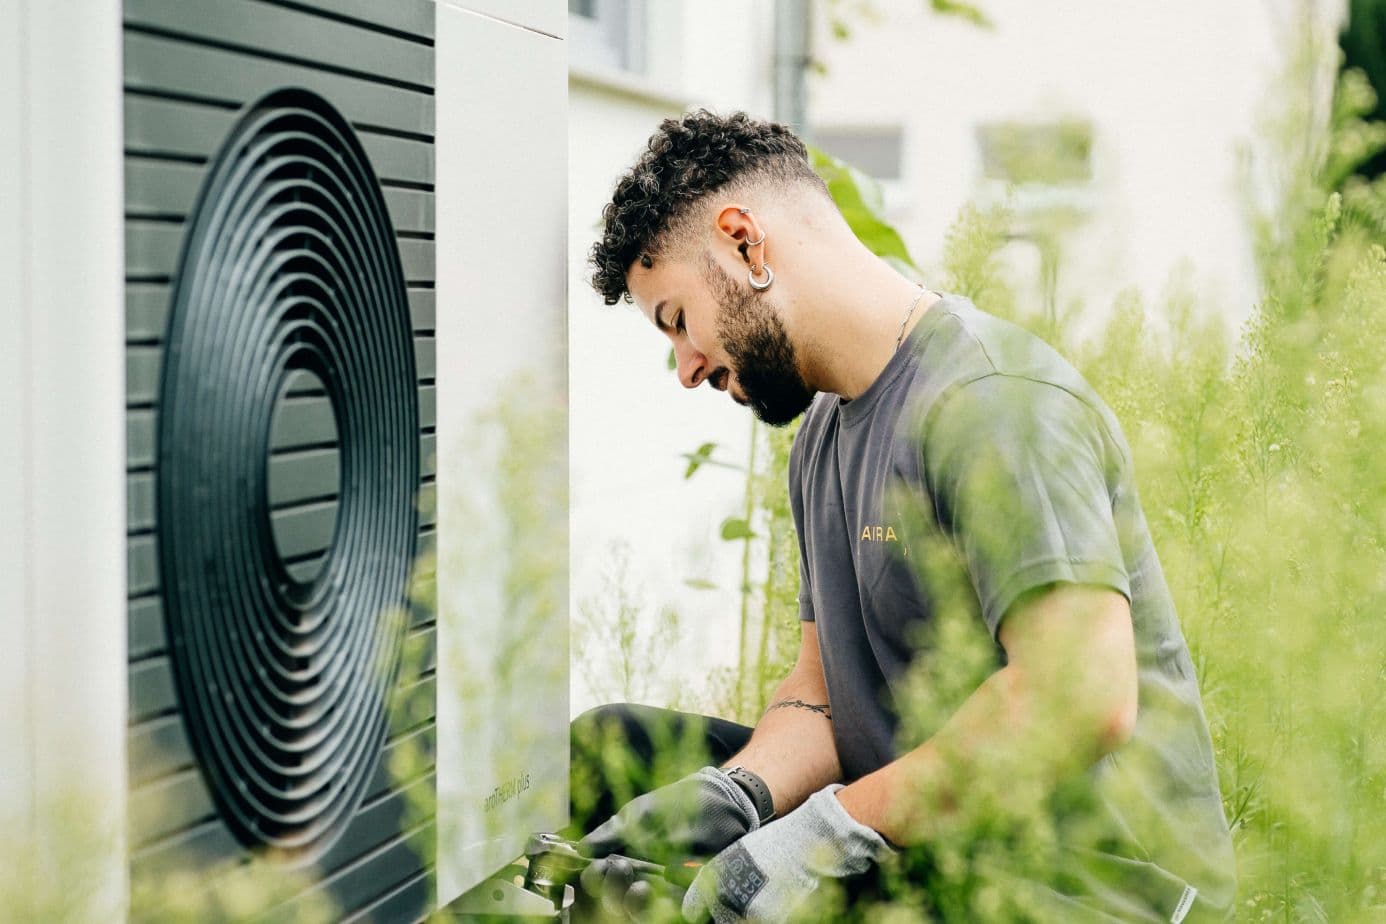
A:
x: 692, y: 364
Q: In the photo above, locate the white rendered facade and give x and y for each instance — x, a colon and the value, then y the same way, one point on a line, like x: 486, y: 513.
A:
x: 1171, y: 92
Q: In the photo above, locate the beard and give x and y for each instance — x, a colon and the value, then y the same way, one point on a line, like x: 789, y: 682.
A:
x: 762, y: 355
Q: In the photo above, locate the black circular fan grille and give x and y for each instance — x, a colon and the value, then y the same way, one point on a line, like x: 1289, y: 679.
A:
x: 289, y: 266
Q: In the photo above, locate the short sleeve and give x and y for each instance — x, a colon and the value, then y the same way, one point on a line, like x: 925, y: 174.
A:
x: 1021, y: 473
x: 796, y: 506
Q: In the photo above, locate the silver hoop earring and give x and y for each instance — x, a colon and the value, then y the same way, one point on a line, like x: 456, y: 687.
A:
x: 769, y: 277
x: 754, y: 243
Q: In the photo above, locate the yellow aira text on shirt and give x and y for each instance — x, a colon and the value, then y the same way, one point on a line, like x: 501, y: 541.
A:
x: 878, y: 534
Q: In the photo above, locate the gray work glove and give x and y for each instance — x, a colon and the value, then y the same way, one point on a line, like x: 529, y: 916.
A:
x: 771, y: 873
x: 697, y: 816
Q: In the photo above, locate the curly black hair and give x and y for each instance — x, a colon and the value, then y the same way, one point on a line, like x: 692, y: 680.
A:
x: 687, y: 158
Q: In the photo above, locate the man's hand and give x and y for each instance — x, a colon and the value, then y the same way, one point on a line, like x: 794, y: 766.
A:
x: 697, y: 816
x: 769, y: 874
x: 620, y: 894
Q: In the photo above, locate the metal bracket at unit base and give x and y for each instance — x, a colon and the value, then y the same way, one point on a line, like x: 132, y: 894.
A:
x: 497, y: 900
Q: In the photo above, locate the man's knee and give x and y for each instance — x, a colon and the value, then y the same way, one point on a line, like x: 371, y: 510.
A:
x: 610, y: 748
x: 601, y: 724
x: 599, y: 716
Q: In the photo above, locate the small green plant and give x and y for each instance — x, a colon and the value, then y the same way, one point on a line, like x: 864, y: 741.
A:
x: 621, y: 649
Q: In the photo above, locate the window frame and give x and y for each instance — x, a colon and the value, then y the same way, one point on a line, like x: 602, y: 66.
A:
x: 611, y: 41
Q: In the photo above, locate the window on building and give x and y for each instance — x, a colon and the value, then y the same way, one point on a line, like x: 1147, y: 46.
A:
x: 877, y: 151
x: 1044, y: 153
x: 607, y: 34
x: 1043, y: 171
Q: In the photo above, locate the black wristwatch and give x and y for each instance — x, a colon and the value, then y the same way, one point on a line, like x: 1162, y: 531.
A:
x: 754, y: 787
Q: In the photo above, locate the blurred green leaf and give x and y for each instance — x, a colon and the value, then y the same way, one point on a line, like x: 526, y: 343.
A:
x: 703, y: 456
x: 697, y: 458
x: 672, y: 361
x: 858, y: 197
x: 700, y: 584
x: 734, y: 528
x: 965, y: 11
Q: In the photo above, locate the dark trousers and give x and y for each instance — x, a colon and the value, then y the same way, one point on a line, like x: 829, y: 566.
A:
x: 622, y: 750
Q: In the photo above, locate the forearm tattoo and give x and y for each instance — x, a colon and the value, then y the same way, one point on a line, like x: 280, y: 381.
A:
x: 822, y: 710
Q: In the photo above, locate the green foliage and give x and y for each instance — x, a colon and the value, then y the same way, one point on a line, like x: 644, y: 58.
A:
x: 734, y: 528
x: 968, y: 12
x: 777, y: 642
x: 839, y: 14
x: 972, y: 264
x: 621, y: 647
x: 1263, y: 487
x: 697, y: 458
x: 858, y: 197
x: 1363, y: 42
x: 1022, y: 152
x: 1261, y: 478
x: 703, y: 456
x: 1259, y: 466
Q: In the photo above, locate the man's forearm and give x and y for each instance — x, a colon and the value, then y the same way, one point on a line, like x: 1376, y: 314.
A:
x: 1021, y: 732
x: 999, y: 756
x: 792, y: 748
x: 972, y: 759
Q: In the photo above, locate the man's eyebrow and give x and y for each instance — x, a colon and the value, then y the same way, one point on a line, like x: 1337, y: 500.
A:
x: 659, y: 322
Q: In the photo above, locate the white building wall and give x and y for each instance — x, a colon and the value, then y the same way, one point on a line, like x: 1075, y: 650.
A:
x: 1171, y: 90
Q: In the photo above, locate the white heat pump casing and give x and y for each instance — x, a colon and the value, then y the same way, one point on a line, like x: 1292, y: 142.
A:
x: 502, y: 343
x: 501, y: 157
x: 62, y: 491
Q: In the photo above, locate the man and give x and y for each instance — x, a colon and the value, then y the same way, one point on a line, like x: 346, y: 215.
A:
x: 949, y: 463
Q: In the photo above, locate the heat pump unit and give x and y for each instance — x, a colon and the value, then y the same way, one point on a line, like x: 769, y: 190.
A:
x: 284, y: 453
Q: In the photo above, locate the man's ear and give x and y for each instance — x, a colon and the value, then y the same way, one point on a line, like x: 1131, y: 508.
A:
x: 738, y: 225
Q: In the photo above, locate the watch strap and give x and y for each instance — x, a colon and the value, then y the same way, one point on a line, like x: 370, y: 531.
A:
x: 754, y: 787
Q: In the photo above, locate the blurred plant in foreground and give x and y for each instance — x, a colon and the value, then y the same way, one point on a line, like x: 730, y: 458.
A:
x: 1262, y: 480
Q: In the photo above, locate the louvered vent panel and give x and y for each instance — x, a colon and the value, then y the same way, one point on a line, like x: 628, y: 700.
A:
x: 259, y: 763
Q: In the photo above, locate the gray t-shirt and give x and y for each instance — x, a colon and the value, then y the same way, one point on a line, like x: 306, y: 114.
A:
x: 981, y: 460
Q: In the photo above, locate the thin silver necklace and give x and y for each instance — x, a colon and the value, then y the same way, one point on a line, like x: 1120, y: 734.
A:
x: 908, y: 314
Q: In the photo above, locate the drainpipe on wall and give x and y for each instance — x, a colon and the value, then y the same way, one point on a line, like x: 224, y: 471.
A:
x: 791, y: 64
